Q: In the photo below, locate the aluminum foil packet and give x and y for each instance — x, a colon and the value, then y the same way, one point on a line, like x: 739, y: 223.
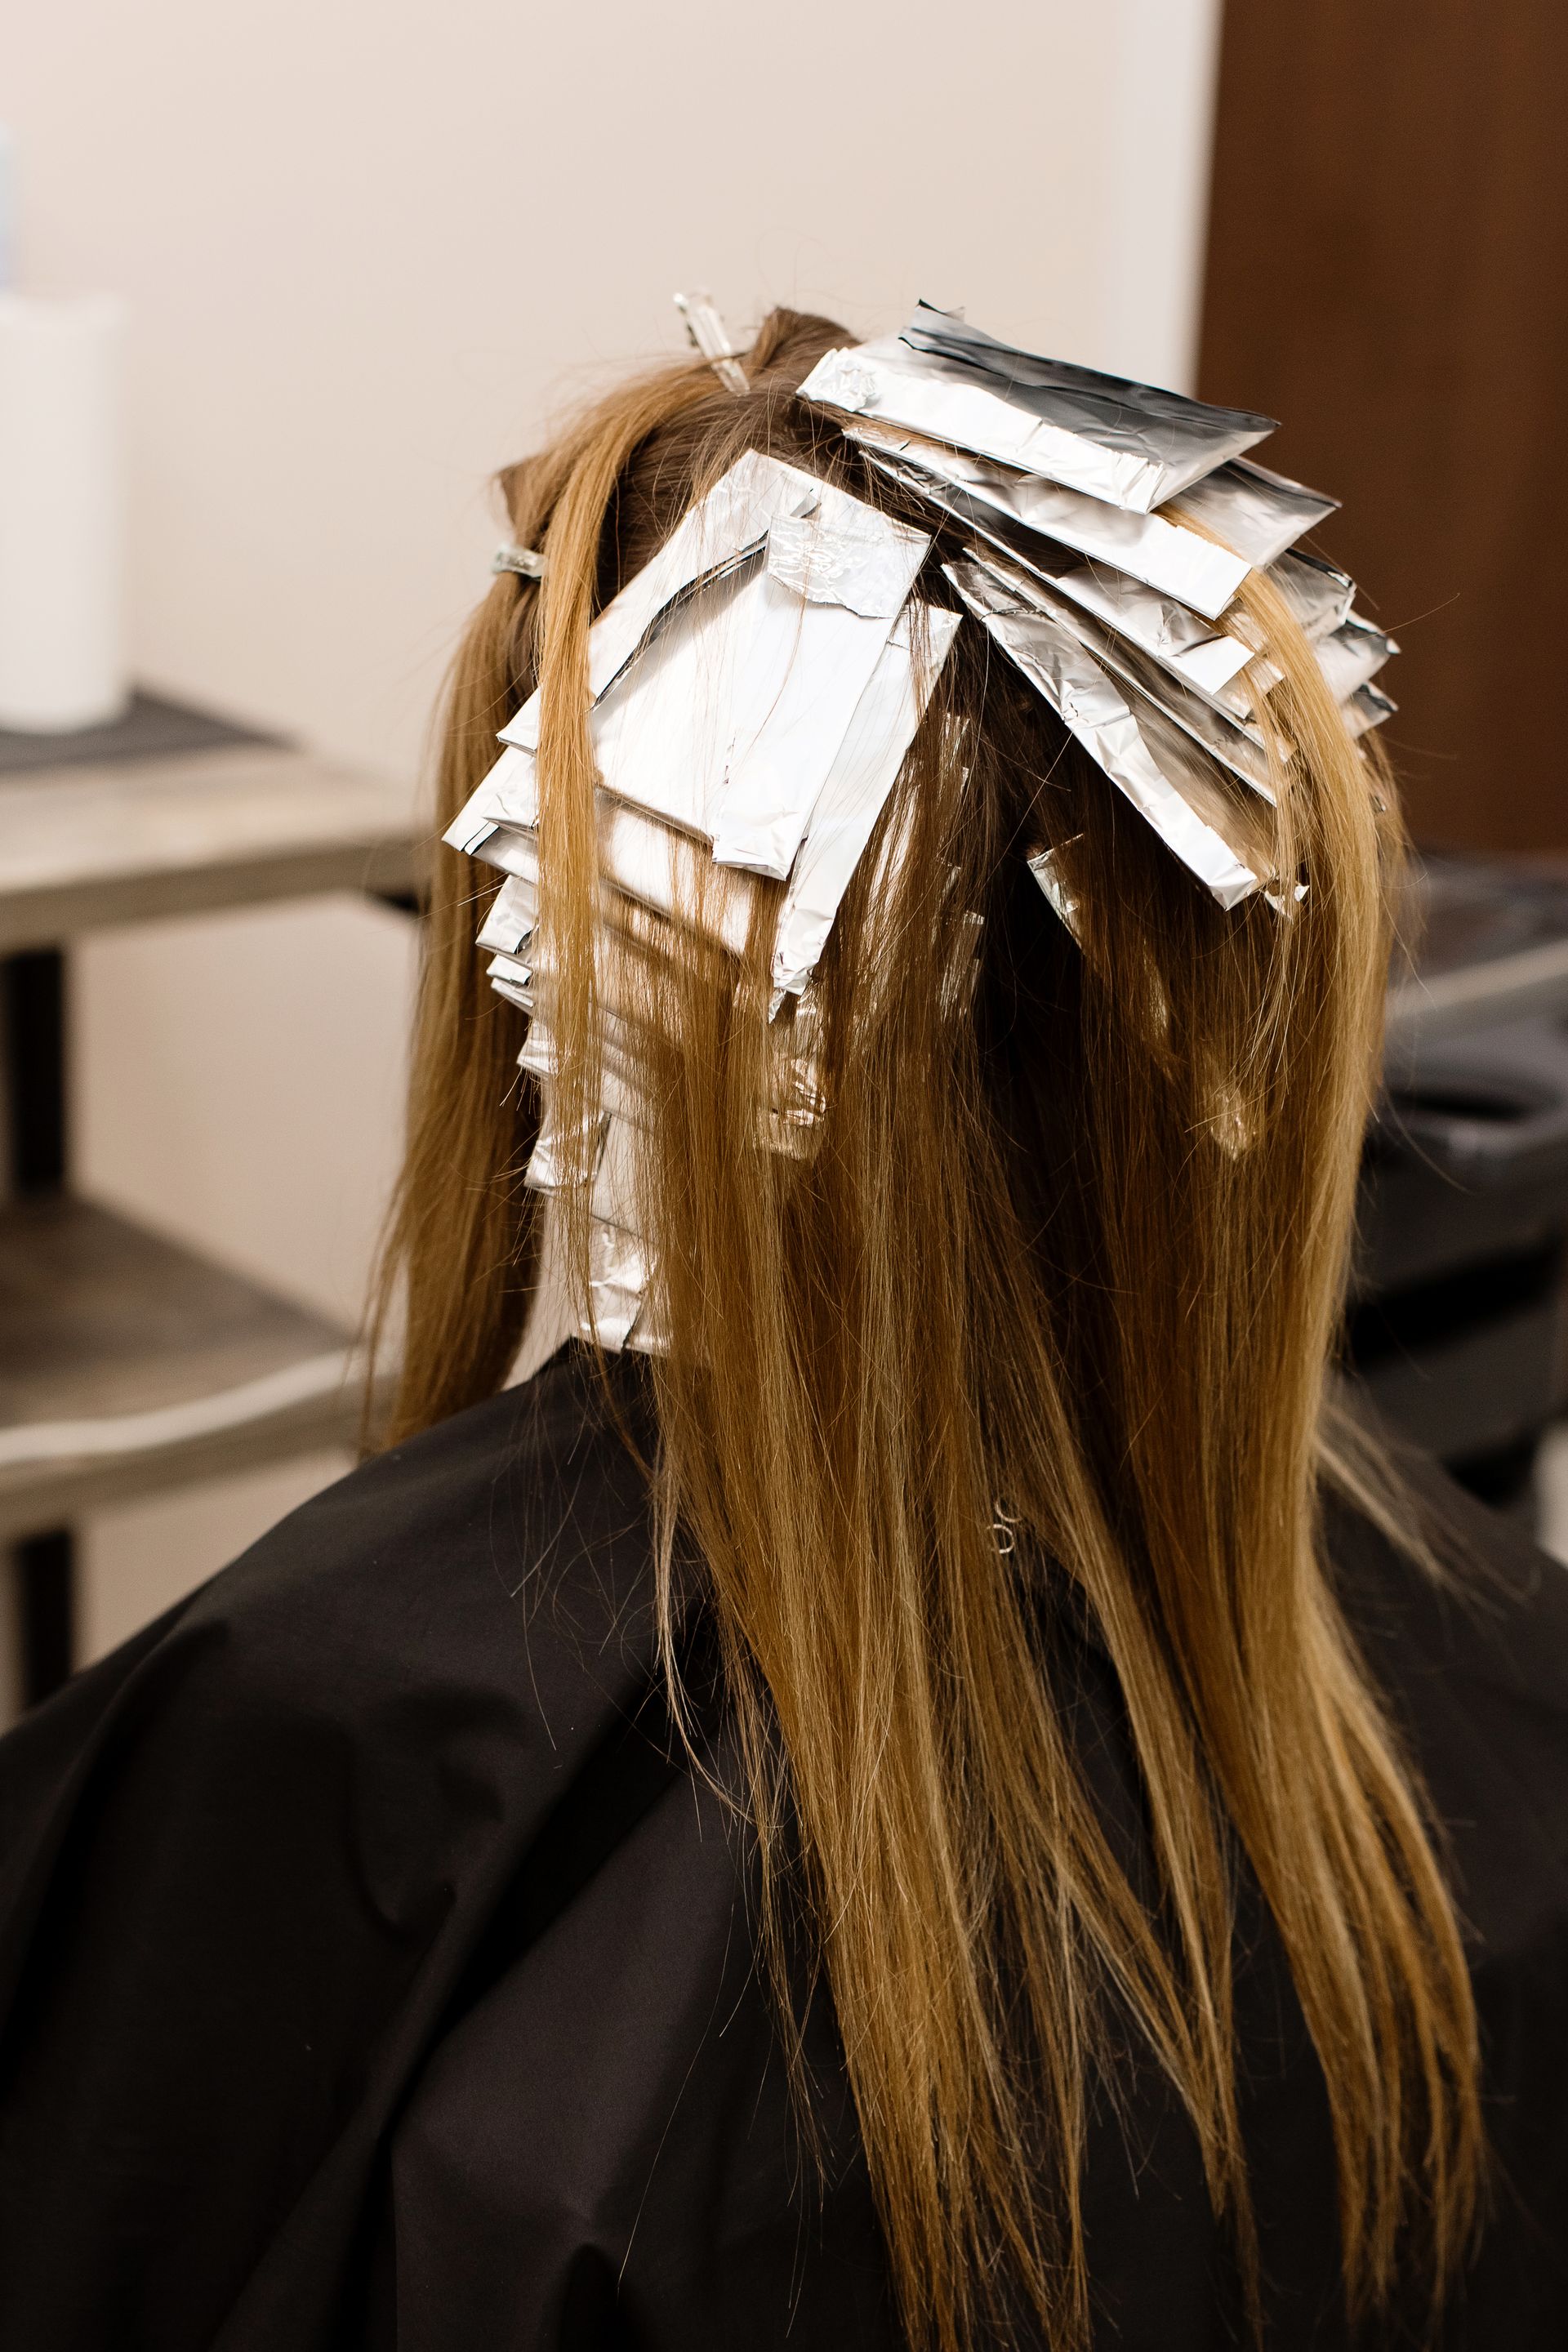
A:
x: 1240, y: 747
x: 756, y: 689
x: 1222, y: 836
x: 1256, y: 512
x: 1130, y: 444
x: 1162, y: 553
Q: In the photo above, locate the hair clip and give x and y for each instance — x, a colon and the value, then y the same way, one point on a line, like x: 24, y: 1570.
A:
x: 709, y: 335
x: 526, y: 562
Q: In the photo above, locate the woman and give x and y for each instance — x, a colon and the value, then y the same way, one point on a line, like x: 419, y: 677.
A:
x: 918, y: 1783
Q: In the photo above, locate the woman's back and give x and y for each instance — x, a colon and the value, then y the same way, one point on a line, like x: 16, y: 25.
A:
x: 380, y: 1969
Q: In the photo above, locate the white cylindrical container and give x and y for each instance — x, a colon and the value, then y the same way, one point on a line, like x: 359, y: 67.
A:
x: 62, y: 657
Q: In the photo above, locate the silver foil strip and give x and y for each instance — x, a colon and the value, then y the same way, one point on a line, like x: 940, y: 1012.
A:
x: 619, y: 1273
x: 1170, y: 632
x: 613, y: 1199
x: 513, y: 912
x: 1102, y: 436
x: 1219, y: 834
x: 621, y: 1307
x: 510, y: 851
x: 729, y: 722
x: 675, y: 875
x: 1352, y: 655
x: 507, y: 794
x: 1235, y: 744
x: 1155, y: 549
x: 513, y: 979
x: 724, y: 532
x: 1319, y: 594
x: 857, y: 789
x: 1045, y: 867
x: 1179, y: 437
x: 670, y: 873
x: 558, y: 1153
x: 1256, y: 512
x: 1367, y: 708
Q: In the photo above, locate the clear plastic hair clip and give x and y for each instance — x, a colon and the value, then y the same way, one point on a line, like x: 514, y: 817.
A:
x: 526, y: 562
x: 710, y: 336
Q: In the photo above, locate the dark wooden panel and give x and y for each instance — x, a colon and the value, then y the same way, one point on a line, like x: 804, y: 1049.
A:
x: 1388, y: 273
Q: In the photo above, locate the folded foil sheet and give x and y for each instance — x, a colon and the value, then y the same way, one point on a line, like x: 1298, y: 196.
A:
x: 1318, y: 594
x: 1219, y: 833
x: 725, y: 719
x: 1205, y: 656
x: 727, y: 533
x: 1129, y: 444
x: 1367, y: 708
x: 620, y: 1275
x: 1258, y: 513
x: 1047, y: 868
x: 855, y: 790
x: 514, y: 911
x: 670, y: 873
x: 1160, y: 552
x: 1235, y: 745
x: 1351, y: 655
x: 755, y: 690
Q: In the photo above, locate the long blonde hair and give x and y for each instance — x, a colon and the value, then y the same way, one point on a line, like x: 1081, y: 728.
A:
x: 1047, y: 1315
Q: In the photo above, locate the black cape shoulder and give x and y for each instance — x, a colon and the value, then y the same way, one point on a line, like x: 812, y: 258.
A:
x: 367, y: 1867
x: 375, y: 1969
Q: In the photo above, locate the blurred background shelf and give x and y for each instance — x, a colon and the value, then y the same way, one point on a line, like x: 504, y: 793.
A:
x: 130, y: 1363
x: 1458, y: 1320
x: 1492, y: 948
x: 142, y: 824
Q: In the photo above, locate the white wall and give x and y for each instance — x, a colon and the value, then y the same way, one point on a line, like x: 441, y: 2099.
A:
x: 369, y: 250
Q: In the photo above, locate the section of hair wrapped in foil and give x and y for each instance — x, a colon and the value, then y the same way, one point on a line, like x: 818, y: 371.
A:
x: 755, y: 690
x: 1110, y: 527
x: 756, y: 687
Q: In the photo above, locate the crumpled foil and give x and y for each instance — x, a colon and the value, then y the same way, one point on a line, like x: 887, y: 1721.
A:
x: 755, y: 691
x: 1178, y: 793
x: 1129, y: 444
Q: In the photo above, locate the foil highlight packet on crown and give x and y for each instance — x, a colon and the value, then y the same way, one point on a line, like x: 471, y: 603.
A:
x: 1130, y: 519
x: 755, y: 689
x: 1129, y: 444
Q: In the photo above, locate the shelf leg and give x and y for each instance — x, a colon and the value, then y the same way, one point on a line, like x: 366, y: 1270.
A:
x: 44, y: 1570
x: 34, y: 1142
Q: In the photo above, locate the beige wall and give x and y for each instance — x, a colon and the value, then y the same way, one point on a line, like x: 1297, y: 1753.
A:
x: 369, y: 249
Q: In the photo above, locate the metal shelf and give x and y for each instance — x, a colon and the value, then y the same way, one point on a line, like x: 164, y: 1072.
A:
x: 129, y: 1363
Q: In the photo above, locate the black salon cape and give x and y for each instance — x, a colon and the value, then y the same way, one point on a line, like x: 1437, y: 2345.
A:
x: 375, y: 1974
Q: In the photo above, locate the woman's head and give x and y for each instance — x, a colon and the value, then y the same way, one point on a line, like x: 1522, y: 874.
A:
x: 1038, y: 1319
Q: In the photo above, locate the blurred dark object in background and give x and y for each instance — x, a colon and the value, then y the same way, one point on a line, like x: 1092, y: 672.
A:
x: 1457, y: 1323
x: 1388, y: 272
